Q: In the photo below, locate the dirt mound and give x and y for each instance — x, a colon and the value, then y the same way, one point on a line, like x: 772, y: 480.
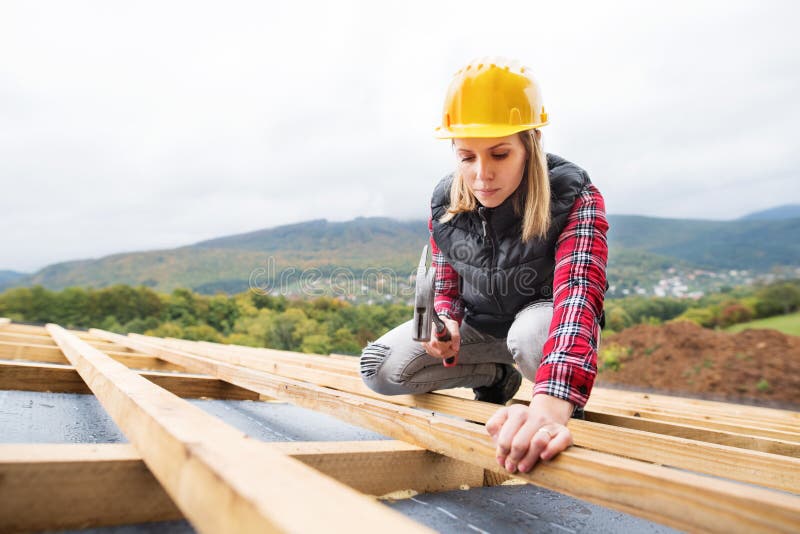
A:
x: 754, y: 366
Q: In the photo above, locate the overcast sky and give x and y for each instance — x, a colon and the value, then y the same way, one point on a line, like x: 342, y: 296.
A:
x: 140, y: 125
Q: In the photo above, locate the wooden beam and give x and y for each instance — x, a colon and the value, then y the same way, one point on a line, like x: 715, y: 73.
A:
x: 476, y: 411
x: 719, y: 437
x: 75, y: 486
x: 346, y: 382
x: 26, y: 376
x: 27, y: 328
x: 42, y: 331
x: 679, y: 447
x: 760, y: 423
x: 709, y: 411
x: 315, y: 361
x: 735, y: 416
x: 759, y: 468
x: 13, y: 337
x: 699, y: 406
x: 679, y: 499
x: 55, y: 487
x: 52, y: 354
x: 219, y: 478
x: 782, y: 435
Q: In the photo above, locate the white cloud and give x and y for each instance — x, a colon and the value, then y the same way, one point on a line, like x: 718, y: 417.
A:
x: 130, y: 126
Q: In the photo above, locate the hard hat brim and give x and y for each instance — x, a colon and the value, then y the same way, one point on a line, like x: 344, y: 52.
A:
x: 483, y: 130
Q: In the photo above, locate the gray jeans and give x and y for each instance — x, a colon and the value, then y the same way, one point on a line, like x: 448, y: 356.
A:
x: 396, y: 365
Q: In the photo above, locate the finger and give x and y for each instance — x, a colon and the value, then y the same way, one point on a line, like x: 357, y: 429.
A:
x: 440, y: 350
x: 516, y: 418
x: 562, y: 441
x: 433, y: 348
x: 520, y: 446
x: 538, y: 443
x: 455, y: 336
x: 495, y: 422
x: 428, y: 348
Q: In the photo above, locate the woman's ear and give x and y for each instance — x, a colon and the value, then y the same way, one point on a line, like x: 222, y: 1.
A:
x: 538, y: 133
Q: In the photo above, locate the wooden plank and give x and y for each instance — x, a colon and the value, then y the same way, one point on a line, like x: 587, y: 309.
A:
x: 52, y: 354
x: 220, y: 479
x: 727, y: 462
x: 42, y: 331
x: 314, y: 361
x: 744, y: 415
x: 698, y: 415
x: 476, y: 411
x: 27, y: 328
x: 49, y: 487
x: 699, y: 406
x: 346, y: 382
x: 4, y: 322
x: 719, y: 421
x: 26, y: 376
x: 381, y: 467
x: 720, y: 437
x: 75, y: 486
x: 733, y: 417
x: 759, y: 468
x: 13, y: 337
x: 679, y: 499
x: 782, y: 435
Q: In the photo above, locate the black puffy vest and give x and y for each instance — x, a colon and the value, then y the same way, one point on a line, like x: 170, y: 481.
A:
x: 500, y: 274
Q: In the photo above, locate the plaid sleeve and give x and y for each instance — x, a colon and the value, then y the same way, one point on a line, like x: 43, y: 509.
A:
x: 569, y: 361
x: 447, y: 296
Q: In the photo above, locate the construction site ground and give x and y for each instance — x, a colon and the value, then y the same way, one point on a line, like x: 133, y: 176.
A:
x: 758, y: 367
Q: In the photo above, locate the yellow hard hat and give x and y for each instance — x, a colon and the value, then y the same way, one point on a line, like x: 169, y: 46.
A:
x: 491, y: 97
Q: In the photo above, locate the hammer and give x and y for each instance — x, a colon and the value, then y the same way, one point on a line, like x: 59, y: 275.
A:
x: 424, y: 314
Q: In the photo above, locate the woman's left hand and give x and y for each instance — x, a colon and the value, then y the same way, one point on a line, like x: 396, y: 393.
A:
x: 524, y: 434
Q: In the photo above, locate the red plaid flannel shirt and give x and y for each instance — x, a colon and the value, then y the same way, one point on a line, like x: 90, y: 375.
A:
x: 569, y: 361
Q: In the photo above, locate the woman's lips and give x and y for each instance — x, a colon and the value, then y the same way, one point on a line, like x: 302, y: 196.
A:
x: 487, y: 192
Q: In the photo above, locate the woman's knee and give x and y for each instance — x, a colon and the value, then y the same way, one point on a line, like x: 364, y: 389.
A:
x: 527, y: 336
x: 382, y: 369
x: 373, y: 356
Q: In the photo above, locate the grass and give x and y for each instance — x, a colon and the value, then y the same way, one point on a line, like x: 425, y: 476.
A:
x: 788, y: 324
x: 611, y: 356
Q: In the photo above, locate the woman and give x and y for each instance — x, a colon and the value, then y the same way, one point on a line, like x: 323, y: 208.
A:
x: 519, y: 246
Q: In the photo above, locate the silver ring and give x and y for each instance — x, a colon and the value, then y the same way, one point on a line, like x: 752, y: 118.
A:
x: 543, y: 429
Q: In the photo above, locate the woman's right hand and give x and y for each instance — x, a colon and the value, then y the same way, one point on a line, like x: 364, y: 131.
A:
x: 444, y: 349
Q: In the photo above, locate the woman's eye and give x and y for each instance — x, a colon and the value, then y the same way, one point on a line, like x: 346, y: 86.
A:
x: 495, y: 156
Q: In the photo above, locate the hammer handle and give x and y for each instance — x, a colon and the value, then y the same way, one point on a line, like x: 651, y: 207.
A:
x: 443, y: 334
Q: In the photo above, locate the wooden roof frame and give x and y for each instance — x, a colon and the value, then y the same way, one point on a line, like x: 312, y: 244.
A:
x: 726, y: 443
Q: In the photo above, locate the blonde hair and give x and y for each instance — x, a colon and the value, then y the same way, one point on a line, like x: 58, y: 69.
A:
x: 531, y: 200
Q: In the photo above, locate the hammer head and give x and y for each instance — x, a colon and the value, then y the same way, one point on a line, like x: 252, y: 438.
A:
x: 423, y: 299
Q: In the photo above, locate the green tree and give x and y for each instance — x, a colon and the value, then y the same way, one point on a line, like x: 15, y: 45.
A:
x: 344, y: 342
x: 316, y: 344
x: 778, y: 299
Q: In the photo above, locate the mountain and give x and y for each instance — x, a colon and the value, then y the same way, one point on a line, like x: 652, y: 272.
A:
x: 787, y: 211
x: 314, y: 248
x: 642, y: 248
x: 737, y: 244
x: 8, y: 278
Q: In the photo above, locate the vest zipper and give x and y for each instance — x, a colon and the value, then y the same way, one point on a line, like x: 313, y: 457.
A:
x: 487, y: 234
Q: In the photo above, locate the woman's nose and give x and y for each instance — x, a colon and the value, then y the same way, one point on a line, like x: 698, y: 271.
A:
x: 484, y: 169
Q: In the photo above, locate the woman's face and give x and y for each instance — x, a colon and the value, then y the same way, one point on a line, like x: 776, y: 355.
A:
x: 491, y: 167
